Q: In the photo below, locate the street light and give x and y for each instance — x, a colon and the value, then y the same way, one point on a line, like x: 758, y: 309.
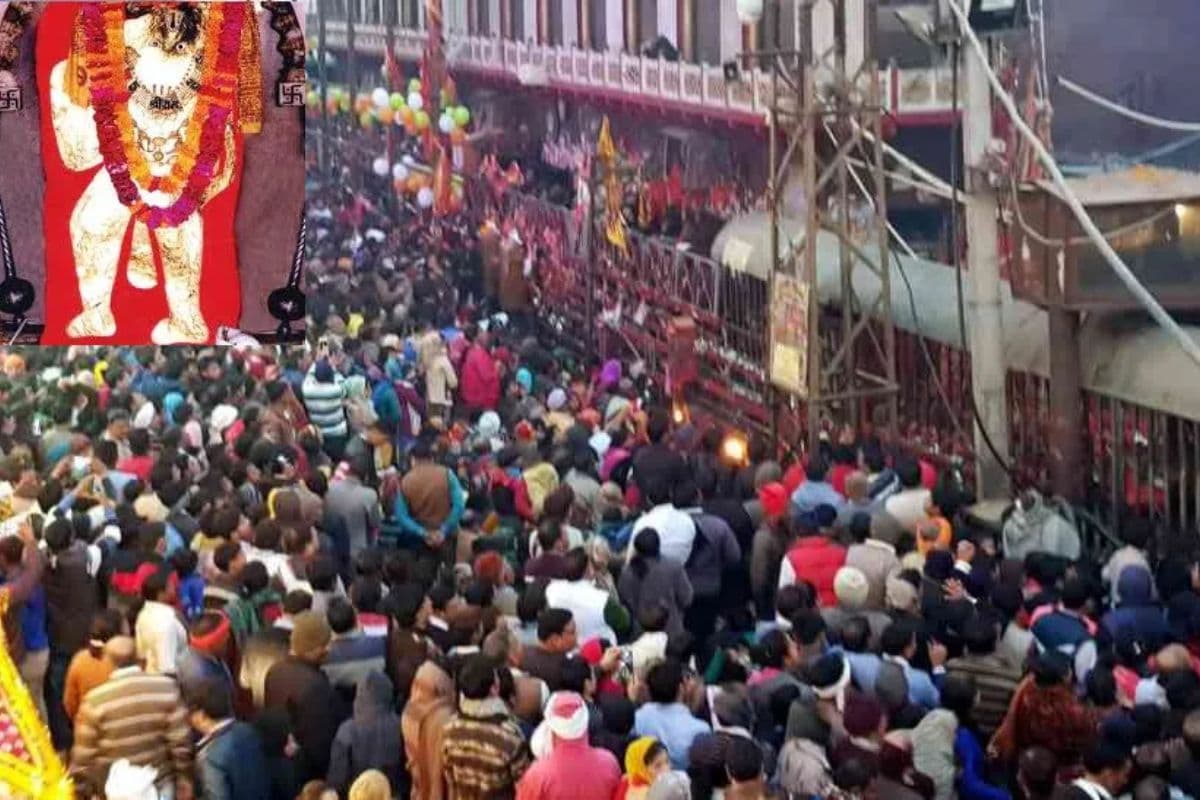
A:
x: 749, y: 11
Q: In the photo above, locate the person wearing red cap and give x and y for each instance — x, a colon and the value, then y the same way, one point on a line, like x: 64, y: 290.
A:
x: 770, y: 544
x: 571, y: 767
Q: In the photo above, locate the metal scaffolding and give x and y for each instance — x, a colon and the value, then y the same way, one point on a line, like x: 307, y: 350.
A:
x: 825, y: 115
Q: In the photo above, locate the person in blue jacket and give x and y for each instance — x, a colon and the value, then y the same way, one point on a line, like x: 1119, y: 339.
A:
x: 958, y: 696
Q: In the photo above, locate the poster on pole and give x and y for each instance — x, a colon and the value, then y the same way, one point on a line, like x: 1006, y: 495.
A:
x: 789, y: 334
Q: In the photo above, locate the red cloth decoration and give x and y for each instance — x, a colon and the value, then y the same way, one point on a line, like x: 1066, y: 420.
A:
x: 136, y: 311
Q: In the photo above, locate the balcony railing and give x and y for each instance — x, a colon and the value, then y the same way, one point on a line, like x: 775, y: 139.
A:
x: 905, y: 92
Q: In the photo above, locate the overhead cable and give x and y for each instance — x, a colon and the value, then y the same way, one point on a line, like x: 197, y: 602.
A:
x: 1147, y: 300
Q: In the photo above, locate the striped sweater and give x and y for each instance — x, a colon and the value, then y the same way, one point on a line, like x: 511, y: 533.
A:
x: 995, y: 679
x: 324, y: 403
x: 483, y: 752
x: 136, y: 716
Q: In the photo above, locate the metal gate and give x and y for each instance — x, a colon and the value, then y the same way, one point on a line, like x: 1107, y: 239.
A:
x: 1138, y: 458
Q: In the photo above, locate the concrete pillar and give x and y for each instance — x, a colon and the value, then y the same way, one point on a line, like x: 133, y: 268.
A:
x: 686, y: 30
x: 633, y: 27
x: 667, y: 14
x: 614, y: 25
x: 570, y: 23
x: 529, y: 9
x: 985, y: 326
x: 730, y: 29
x: 493, y: 17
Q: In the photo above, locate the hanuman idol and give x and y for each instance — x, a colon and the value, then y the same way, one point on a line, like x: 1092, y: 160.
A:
x: 155, y: 93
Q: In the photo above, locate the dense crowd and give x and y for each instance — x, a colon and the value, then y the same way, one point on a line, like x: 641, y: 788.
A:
x: 434, y: 556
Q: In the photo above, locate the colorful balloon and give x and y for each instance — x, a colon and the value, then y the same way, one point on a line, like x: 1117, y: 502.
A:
x: 406, y: 115
x: 458, y: 136
x: 365, y: 119
x: 445, y: 123
x: 380, y: 166
x: 415, y: 101
x: 421, y: 120
x: 380, y: 98
x: 414, y: 85
x: 396, y: 101
x: 399, y: 172
x: 385, y: 116
x: 425, y: 197
x: 462, y: 116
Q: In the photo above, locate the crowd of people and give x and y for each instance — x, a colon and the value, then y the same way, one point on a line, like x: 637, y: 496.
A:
x: 434, y: 556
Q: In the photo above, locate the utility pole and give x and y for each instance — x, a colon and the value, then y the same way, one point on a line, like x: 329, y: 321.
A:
x: 986, y: 332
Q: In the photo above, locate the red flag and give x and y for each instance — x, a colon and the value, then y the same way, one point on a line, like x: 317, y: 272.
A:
x: 395, y: 77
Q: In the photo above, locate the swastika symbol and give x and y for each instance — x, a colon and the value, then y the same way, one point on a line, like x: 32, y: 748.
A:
x: 10, y: 99
x: 291, y: 94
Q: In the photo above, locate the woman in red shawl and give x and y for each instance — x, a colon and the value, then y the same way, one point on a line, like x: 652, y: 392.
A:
x: 1045, y: 712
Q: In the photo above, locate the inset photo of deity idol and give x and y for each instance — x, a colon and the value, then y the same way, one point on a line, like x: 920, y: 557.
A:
x: 151, y: 172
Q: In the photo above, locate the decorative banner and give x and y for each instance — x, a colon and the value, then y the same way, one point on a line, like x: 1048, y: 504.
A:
x: 29, y: 766
x: 789, y: 334
x: 614, y: 220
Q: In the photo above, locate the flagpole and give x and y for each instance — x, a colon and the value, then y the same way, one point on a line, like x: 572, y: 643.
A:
x: 389, y: 10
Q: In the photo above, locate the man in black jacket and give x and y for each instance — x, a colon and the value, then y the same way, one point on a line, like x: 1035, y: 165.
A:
x: 71, y: 602
x: 269, y: 646
x: 656, y: 463
x: 298, y: 686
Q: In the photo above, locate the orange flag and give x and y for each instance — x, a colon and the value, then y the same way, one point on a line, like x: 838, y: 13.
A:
x: 441, y: 184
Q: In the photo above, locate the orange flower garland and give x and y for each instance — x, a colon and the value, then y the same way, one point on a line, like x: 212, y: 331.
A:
x: 201, y: 146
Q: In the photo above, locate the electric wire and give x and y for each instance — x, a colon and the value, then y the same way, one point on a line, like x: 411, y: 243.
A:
x: 1114, y: 233
x: 1117, y: 108
x: 1189, y: 345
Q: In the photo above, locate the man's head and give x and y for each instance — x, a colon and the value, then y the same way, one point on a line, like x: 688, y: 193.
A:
x: 229, y: 558
x: 297, y: 601
x: 909, y: 472
x: 743, y: 760
x: 550, y: 536
x: 856, y: 634
x: 665, y: 681
x: 979, y: 636
x: 857, y: 486
x: 341, y: 617
x: 208, y: 703
x: 899, y: 639
x: 477, y: 678
x: 310, y: 637
x: 1108, y: 764
x: 120, y: 652
x: 1037, y: 772
x: 577, y: 564
x: 502, y: 646
x: 556, y: 630
x: 156, y: 588
x: 118, y: 424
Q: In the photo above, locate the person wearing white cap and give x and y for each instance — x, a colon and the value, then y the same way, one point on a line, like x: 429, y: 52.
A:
x: 558, y: 416
x: 568, y: 765
x: 853, y: 591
